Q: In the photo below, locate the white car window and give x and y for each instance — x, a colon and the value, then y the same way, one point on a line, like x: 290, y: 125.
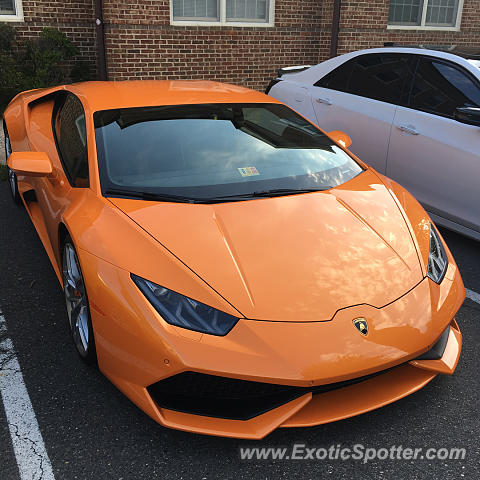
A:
x: 379, y: 76
x: 441, y: 88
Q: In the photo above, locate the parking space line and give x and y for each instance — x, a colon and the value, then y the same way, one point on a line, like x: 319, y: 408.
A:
x: 30, y: 453
x: 473, y: 295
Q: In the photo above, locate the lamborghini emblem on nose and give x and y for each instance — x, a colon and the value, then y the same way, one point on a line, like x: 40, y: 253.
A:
x: 361, y: 325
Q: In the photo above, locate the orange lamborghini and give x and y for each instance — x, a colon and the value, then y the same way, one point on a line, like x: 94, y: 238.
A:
x: 231, y: 267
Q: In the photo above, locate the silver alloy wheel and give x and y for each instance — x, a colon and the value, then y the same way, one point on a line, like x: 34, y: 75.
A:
x: 11, y: 175
x: 76, y: 299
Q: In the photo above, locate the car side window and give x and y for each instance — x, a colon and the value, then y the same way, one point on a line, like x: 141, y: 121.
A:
x: 338, y: 79
x: 71, y: 139
x: 440, y: 88
x: 379, y: 76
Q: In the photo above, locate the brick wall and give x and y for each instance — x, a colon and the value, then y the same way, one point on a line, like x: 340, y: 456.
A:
x: 73, y: 17
x: 364, y: 25
x: 141, y: 44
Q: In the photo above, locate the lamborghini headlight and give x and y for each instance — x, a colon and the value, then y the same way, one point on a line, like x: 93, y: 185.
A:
x: 437, y: 258
x: 184, y: 312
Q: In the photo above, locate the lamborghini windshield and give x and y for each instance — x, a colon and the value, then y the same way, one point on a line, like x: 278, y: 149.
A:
x: 215, y: 152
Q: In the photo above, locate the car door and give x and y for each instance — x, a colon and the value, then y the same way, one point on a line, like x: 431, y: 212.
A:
x: 359, y: 97
x: 56, y: 193
x: 433, y: 155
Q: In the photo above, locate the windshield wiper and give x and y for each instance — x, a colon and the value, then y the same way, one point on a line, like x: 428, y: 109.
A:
x: 276, y: 192
x: 287, y: 191
x: 160, y: 197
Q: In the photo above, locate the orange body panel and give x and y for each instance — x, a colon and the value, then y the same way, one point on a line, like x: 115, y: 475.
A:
x: 296, y: 270
x: 243, y: 242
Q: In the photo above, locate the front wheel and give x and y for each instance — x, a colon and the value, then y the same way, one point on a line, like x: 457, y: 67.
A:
x: 12, y: 178
x: 76, y: 300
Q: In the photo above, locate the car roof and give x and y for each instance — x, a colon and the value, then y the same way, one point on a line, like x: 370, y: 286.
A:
x: 439, y: 52
x: 107, y: 95
x: 312, y: 74
x: 464, y: 51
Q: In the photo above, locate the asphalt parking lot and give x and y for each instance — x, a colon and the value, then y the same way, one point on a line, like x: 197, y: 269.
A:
x: 91, y: 431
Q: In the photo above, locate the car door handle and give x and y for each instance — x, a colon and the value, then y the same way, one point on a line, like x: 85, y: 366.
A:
x: 325, y: 101
x: 410, y: 129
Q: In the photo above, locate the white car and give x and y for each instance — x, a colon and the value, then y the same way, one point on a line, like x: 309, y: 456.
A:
x: 412, y: 113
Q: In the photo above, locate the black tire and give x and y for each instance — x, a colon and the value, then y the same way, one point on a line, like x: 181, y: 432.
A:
x: 77, y: 305
x: 12, y: 178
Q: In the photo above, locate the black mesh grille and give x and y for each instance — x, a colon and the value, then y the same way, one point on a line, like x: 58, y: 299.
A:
x: 222, y: 397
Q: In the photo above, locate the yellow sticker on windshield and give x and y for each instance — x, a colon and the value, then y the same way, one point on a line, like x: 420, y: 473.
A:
x: 248, y: 171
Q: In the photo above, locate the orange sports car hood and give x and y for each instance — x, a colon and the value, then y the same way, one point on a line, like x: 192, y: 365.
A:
x: 292, y: 258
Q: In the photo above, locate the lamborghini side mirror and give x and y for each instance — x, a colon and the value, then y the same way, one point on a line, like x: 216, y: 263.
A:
x: 31, y: 164
x: 340, y: 137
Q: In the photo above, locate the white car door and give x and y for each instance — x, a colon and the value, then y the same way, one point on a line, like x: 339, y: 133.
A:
x: 434, y: 156
x: 359, y: 97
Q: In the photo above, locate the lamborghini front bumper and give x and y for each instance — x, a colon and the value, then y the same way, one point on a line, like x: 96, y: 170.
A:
x: 264, y: 375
